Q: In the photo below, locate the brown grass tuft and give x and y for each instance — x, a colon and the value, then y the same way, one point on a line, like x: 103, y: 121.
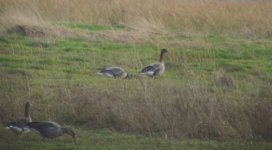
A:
x: 222, y: 79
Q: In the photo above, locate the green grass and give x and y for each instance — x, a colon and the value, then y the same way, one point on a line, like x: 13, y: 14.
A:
x: 81, y: 56
x: 76, y: 56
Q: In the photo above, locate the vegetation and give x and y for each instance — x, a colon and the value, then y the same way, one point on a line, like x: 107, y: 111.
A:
x: 104, y: 139
x: 215, y: 93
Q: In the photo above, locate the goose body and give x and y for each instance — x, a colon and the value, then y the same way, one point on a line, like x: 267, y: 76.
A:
x: 20, y: 125
x: 114, y: 72
x: 50, y: 129
x: 155, y: 69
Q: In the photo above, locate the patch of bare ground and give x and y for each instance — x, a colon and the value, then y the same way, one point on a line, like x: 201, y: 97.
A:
x: 42, y: 31
x: 34, y: 31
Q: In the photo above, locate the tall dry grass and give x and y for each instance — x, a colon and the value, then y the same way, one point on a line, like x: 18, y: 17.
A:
x: 244, y: 17
x: 149, y: 107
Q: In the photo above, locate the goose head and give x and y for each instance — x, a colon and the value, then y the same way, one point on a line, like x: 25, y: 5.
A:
x: 69, y: 132
x: 163, y: 51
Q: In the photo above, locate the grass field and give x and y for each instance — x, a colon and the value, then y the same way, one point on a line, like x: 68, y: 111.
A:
x: 215, y: 93
x: 103, y: 139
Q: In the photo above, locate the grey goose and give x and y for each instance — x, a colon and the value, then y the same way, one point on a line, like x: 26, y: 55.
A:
x: 50, y: 129
x: 155, y: 69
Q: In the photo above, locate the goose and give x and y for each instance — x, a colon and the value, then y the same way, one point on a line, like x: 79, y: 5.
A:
x: 155, y: 69
x: 20, y: 125
x: 114, y: 72
x: 50, y: 129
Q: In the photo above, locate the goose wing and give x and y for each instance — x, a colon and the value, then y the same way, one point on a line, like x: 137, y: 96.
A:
x: 45, y: 128
x: 113, y: 72
x: 150, y: 69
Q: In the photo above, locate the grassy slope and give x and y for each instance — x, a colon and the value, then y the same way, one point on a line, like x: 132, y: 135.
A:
x: 80, y: 57
x: 54, y: 62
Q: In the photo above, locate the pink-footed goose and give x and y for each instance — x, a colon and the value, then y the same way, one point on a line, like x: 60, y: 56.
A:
x: 114, y: 72
x: 50, y: 129
x: 155, y: 69
x: 20, y: 125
